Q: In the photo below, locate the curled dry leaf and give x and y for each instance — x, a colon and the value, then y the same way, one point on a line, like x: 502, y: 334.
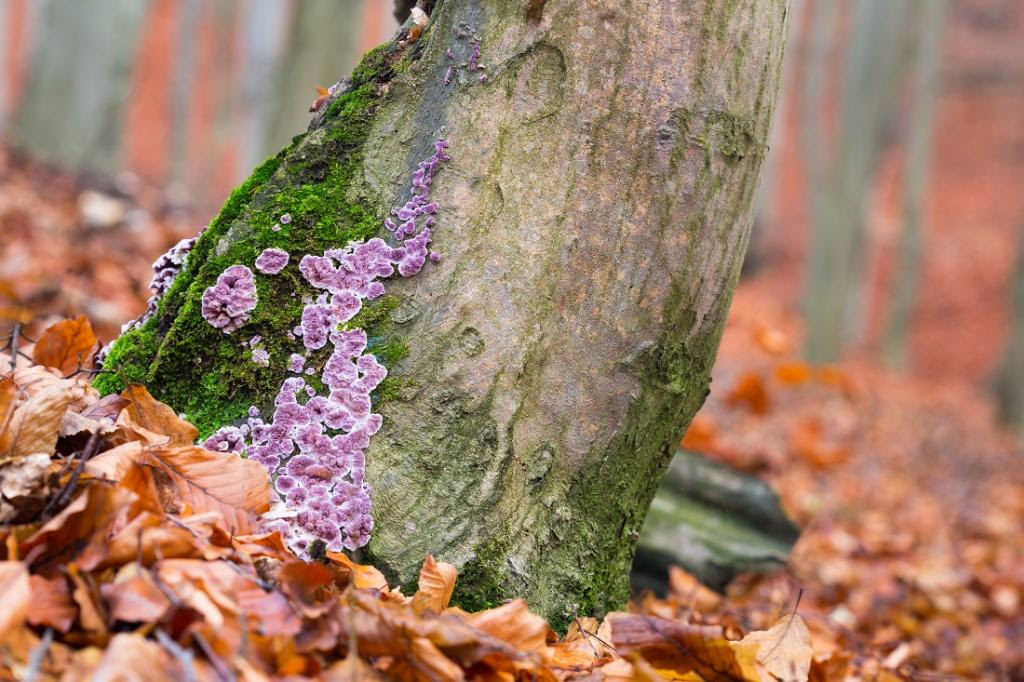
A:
x: 436, y: 584
x: 513, y: 623
x: 363, y: 577
x: 132, y: 657
x: 15, y: 595
x: 35, y: 424
x: 155, y: 422
x: 204, y: 480
x: 20, y: 483
x: 66, y: 346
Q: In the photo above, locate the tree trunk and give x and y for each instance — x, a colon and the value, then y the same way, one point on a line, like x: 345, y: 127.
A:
x: 79, y: 80
x: 1010, y: 381
x: 926, y: 76
x: 871, y: 80
x: 592, y: 221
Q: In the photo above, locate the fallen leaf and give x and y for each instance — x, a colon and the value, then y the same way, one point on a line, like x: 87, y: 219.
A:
x: 15, y: 595
x: 673, y: 645
x: 782, y: 652
x: 363, y: 577
x: 133, y: 596
x: 36, y: 422
x: 352, y: 669
x: 750, y: 393
x: 513, y: 623
x: 133, y: 657
x: 436, y: 584
x: 66, y: 346
x: 51, y: 603
x: 205, y: 480
x: 21, y: 484
x: 152, y: 415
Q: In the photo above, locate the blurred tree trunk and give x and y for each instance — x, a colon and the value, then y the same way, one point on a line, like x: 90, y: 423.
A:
x: 184, y: 75
x: 80, y: 75
x: 841, y: 182
x: 262, y: 47
x: 323, y: 42
x: 927, y: 60
x: 593, y: 222
x: 1010, y: 381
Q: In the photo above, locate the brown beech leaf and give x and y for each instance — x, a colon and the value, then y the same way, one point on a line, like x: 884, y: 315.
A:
x: 782, y: 652
x: 437, y: 582
x: 51, y: 603
x: 133, y: 596
x: 36, y: 422
x: 66, y: 346
x: 152, y: 415
x: 513, y: 623
x: 204, y: 480
x: 679, y: 647
x: 352, y: 669
x: 363, y: 577
x: 15, y: 595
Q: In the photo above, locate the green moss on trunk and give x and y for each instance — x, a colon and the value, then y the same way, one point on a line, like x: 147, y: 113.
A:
x: 317, y: 180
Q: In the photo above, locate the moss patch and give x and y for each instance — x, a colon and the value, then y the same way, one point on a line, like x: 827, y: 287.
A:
x: 209, y: 375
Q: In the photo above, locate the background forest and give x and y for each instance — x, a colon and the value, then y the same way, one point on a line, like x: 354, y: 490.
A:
x: 872, y: 369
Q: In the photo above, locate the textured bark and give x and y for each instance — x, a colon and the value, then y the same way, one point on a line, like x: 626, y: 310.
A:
x: 593, y: 223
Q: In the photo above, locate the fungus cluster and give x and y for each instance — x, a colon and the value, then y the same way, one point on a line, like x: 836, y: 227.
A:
x: 272, y: 261
x: 473, y: 64
x: 314, y: 443
x: 227, y: 304
x: 165, y: 271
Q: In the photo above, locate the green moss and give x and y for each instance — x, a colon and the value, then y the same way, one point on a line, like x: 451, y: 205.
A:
x: 209, y: 375
x: 482, y: 582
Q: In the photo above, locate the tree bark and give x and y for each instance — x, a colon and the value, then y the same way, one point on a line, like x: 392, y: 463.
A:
x: 592, y: 222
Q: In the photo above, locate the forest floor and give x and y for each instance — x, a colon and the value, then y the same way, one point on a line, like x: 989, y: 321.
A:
x: 911, y: 563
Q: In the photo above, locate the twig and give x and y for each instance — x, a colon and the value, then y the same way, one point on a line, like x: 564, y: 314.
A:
x: 218, y: 664
x: 588, y: 635
x: 35, y: 659
x: 65, y: 494
x: 179, y: 652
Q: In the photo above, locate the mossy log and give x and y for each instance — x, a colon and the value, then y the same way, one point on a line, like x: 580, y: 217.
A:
x: 713, y: 521
x: 593, y: 221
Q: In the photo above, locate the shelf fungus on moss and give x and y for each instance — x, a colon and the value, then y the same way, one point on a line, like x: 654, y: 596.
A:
x: 227, y: 304
x: 314, y: 443
x: 272, y: 261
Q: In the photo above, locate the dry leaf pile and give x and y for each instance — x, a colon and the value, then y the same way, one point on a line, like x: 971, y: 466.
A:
x: 130, y: 553
x: 911, y: 501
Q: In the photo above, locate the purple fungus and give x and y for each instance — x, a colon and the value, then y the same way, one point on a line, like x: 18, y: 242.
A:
x: 227, y: 304
x: 313, y: 445
x: 474, y: 55
x: 272, y: 261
